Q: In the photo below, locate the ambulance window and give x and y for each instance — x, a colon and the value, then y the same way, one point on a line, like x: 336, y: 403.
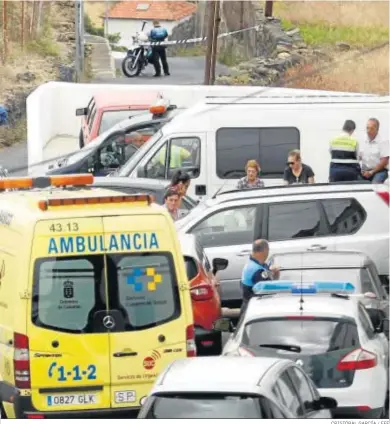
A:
x: 155, y: 168
x: 148, y: 290
x: 269, y: 146
x: 64, y: 292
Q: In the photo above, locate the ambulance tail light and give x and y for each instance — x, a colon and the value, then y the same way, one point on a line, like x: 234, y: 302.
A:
x: 135, y: 198
x: 46, y: 181
x: 21, y: 361
x: 190, y: 341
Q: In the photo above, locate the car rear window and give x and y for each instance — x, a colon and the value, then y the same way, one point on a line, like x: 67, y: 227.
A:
x: 314, y: 336
x: 205, y: 406
x: 112, y: 117
x: 191, y: 267
x: 69, y: 292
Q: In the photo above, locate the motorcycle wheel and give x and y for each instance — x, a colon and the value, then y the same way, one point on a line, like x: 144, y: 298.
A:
x: 128, y: 67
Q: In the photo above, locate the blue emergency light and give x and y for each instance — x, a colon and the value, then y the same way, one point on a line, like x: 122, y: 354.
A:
x: 294, y: 287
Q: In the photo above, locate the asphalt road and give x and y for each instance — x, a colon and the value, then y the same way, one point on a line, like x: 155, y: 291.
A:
x: 184, y: 71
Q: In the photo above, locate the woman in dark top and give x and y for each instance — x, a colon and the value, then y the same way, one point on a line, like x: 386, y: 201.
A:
x: 296, y: 171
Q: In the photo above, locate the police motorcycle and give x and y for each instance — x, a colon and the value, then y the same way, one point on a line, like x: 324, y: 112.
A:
x: 139, y: 56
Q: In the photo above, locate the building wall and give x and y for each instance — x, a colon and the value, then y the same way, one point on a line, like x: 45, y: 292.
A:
x: 128, y: 27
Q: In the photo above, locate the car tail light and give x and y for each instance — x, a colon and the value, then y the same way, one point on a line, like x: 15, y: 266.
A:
x: 384, y: 195
x: 35, y: 416
x: 358, y: 359
x: 21, y: 361
x: 201, y: 292
x: 363, y: 408
x: 190, y: 341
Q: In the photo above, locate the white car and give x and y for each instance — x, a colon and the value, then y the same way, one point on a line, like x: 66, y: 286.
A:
x: 329, y: 334
x: 221, y: 387
x: 316, y: 217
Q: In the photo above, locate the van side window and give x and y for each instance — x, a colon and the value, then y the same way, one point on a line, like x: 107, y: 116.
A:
x: 269, y: 146
x: 184, y: 153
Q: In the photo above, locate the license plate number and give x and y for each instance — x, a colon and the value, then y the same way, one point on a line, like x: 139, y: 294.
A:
x: 84, y: 399
x: 125, y: 397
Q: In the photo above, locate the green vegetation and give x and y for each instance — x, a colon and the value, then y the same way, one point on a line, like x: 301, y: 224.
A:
x: 194, y: 50
x: 45, y: 44
x: 11, y: 135
x: 99, y: 31
x: 315, y: 34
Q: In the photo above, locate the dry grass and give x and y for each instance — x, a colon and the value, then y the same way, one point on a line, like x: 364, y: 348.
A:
x: 359, y: 23
x: 367, y: 74
x: 96, y: 9
x: 337, y: 13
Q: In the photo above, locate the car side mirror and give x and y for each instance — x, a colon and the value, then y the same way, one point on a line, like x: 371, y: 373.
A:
x: 141, y: 172
x: 224, y: 325
x: 219, y: 264
x: 81, y: 111
x: 324, y: 403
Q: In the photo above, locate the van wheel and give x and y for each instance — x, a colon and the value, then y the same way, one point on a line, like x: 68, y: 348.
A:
x: 3, y: 416
x: 81, y: 139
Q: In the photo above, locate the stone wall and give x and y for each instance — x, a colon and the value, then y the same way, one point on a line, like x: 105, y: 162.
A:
x: 276, y: 51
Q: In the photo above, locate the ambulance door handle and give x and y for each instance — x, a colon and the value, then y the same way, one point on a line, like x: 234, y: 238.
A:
x: 10, y: 342
x: 122, y: 354
x: 244, y: 253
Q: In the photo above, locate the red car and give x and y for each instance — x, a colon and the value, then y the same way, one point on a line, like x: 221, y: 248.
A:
x: 206, y: 302
x: 104, y: 110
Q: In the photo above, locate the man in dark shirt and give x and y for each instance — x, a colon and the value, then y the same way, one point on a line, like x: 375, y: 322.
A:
x: 159, y: 34
x: 296, y: 171
x: 256, y: 270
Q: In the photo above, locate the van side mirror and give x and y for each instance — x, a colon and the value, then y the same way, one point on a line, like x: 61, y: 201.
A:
x: 83, y: 111
x: 377, y: 316
x: 219, y: 264
x: 223, y: 325
x: 141, y: 172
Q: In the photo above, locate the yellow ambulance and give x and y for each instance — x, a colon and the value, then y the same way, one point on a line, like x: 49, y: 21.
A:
x: 94, y: 298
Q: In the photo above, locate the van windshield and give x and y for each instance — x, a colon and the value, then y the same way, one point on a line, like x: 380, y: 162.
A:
x: 69, y: 293
x: 132, y: 163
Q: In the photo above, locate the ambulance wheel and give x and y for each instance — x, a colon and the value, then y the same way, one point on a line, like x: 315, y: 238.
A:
x: 128, y: 67
x: 81, y: 139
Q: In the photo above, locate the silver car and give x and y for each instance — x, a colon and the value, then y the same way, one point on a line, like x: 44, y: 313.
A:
x: 354, y: 267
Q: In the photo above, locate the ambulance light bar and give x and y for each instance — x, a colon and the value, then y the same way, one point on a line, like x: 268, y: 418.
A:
x: 98, y: 200
x: 15, y: 183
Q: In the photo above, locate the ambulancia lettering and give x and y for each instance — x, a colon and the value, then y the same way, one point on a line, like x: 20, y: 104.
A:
x: 95, y: 243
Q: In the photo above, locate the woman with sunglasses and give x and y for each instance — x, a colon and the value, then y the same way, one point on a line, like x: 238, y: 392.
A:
x: 296, y: 171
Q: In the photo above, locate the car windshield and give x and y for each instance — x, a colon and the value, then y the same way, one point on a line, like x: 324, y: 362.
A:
x: 314, y: 336
x: 112, y: 117
x: 205, y: 406
x: 198, y: 209
x: 131, y: 164
x: 86, y: 150
x: 357, y: 276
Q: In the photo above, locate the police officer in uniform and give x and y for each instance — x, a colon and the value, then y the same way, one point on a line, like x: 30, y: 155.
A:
x: 344, y: 151
x: 159, y: 34
x: 256, y: 270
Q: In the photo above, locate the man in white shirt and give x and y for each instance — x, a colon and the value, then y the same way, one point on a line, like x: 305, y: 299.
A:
x: 374, y: 154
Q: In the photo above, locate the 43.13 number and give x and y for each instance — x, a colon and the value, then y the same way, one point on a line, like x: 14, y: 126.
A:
x: 69, y: 226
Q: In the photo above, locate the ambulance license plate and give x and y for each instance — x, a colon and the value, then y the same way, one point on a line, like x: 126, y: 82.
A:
x: 125, y: 397
x: 72, y: 399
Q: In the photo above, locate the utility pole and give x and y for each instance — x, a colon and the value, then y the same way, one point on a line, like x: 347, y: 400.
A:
x: 214, y: 50
x: 78, y: 41
x: 269, y: 8
x: 210, y: 32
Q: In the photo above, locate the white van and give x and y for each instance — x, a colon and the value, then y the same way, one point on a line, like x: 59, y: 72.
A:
x: 223, y: 133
